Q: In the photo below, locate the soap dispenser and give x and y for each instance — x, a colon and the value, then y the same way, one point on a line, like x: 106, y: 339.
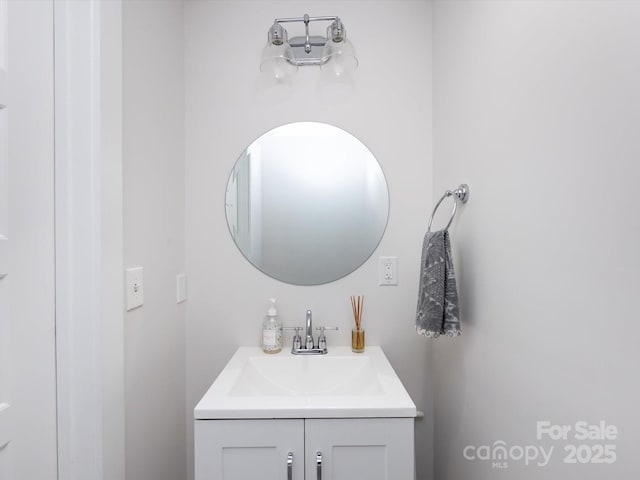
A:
x: 272, y: 330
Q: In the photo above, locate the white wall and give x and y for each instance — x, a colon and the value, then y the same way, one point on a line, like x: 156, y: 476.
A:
x: 111, y: 201
x: 536, y: 107
x: 153, y: 90
x: 390, y: 112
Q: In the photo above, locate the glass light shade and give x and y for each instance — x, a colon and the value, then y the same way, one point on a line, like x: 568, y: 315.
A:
x: 277, y: 62
x: 339, y: 59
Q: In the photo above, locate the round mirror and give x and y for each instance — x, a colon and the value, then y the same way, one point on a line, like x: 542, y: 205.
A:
x: 307, y: 203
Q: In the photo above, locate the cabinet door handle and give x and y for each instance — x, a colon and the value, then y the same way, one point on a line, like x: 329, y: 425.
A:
x: 290, y: 466
x: 319, y: 465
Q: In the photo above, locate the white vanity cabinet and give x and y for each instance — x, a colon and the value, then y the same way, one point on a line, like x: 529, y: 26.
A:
x: 249, y: 449
x: 339, y: 416
x: 310, y: 449
x: 359, y: 448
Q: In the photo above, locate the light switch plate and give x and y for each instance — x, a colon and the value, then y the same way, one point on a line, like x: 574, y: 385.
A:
x: 181, y: 287
x: 134, y: 287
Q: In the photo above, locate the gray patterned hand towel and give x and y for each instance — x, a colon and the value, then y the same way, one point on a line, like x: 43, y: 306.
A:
x: 438, y: 296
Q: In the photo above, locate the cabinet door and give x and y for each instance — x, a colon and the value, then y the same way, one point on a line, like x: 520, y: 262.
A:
x: 362, y: 448
x: 249, y: 449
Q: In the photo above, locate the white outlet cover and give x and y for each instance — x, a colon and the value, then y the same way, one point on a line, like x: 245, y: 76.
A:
x: 388, y: 271
x: 134, y: 287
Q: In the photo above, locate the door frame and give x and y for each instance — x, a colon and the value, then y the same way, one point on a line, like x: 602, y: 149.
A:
x: 88, y: 238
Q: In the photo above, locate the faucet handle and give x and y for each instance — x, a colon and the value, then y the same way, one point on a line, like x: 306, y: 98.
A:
x: 297, y: 340
x: 322, y: 339
x: 297, y: 329
x: 323, y: 328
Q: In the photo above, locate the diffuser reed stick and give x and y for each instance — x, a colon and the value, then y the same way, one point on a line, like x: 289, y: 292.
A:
x: 357, y: 334
x: 357, y: 303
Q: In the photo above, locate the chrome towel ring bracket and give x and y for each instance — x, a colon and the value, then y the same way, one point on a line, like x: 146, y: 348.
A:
x: 459, y: 194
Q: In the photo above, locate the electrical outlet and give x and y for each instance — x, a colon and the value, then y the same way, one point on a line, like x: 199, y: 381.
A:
x: 388, y: 271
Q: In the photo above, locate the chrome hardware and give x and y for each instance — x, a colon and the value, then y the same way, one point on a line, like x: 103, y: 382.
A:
x: 309, y: 347
x: 322, y: 339
x: 306, y: 49
x: 319, y: 465
x: 290, y: 466
x: 297, y: 340
x: 309, y: 351
x: 459, y: 194
x: 308, y: 344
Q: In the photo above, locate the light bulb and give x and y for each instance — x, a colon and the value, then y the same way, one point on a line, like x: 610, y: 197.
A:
x: 339, y: 57
x: 277, y: 61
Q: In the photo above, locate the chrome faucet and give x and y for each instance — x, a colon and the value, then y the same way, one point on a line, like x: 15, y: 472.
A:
x: 309, y: 341
x: 309, y: 347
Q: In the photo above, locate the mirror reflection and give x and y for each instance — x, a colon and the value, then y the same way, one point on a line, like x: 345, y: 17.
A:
x: 307, y: 203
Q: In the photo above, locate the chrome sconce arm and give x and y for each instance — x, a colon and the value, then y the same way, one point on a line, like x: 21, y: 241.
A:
x: 307, y: 49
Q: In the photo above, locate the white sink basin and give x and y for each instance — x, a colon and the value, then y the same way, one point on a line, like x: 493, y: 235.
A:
x: 339, y: 384
x: 306, y: 375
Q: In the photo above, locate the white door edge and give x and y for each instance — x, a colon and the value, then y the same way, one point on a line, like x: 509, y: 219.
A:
x: 88, y: 186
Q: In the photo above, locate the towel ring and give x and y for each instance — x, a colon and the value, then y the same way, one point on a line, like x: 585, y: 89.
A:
x: 461, y: 193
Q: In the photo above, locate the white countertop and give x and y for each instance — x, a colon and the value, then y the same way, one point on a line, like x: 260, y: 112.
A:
x: 340, y: 384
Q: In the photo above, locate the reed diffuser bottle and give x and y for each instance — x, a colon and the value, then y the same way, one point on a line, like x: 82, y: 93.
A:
x: 357, y: 334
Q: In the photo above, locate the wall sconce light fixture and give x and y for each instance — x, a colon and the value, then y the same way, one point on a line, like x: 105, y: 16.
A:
x: 282, y: 56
